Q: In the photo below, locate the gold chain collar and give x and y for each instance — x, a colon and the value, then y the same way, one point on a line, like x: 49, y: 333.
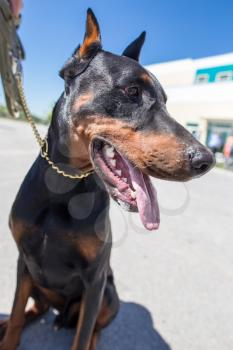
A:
x: 43, y: 143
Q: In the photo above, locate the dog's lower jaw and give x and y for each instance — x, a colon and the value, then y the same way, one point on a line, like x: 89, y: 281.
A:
x: 126, y: 183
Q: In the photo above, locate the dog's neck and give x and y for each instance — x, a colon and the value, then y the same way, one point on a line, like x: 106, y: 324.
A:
x: 44, y: 187
x: 66, y: 147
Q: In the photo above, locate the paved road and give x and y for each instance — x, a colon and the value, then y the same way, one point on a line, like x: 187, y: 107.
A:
x: 176, y: 285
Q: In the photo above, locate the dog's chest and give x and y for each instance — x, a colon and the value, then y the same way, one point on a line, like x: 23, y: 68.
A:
x: 58, y: 242
x: 57, y: 258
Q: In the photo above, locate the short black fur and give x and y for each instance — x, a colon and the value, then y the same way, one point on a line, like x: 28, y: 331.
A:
x: 64, y: 255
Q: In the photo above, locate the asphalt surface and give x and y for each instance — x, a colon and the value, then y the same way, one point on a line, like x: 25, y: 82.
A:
x: 176, y: 284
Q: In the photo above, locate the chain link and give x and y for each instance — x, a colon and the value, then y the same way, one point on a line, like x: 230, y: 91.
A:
x: 43, y: 143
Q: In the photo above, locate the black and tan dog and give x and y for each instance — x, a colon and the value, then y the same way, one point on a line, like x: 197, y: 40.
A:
x: 112, y: 118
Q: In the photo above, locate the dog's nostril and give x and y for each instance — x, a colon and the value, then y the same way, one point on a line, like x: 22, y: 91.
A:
x: 201, y: 161
x: 204, y: 167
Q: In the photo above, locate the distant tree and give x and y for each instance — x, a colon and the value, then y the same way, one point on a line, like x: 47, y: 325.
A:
x: 5, y: 114
x: 48, y: 118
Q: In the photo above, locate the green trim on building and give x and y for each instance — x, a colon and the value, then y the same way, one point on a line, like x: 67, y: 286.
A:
x: 214, y: 74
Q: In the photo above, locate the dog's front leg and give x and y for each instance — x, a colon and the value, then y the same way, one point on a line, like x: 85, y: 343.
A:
x: 17, y: 319
x: 89, y: 310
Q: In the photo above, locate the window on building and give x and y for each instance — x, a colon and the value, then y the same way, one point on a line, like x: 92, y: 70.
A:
x: 224, y: 76
x: 221, y: 129
x: 193, y: 128
x: 202, y: 78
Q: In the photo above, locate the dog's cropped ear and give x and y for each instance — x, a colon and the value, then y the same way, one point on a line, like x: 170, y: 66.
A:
x: 92, y: 38
x: 85, y: 52
x: 134, y: 49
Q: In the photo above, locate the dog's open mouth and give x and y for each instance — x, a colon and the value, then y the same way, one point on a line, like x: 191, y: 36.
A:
x: 127, y: 184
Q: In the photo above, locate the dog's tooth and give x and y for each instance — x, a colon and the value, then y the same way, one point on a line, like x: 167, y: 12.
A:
x: 113, y: 162
x: 119, y: 172
x: 110, y: 152
x: 133, y: 194
x: 107, y: 151
x: 125, y: 179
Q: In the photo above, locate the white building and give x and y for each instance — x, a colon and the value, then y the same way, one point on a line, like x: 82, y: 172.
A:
x: 200, y: 93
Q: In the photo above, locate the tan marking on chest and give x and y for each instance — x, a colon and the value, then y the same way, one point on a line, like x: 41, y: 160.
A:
x: 89, y: 246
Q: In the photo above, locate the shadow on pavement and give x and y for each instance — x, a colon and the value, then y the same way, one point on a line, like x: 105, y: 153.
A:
x: 131, y: 330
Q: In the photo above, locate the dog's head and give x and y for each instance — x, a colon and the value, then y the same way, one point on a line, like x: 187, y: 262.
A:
x: 118, y: 124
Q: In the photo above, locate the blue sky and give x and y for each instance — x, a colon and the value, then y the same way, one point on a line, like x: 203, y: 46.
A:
x: 176, y: 29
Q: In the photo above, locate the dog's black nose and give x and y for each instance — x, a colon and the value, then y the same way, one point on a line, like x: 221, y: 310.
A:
x: 201, y: 161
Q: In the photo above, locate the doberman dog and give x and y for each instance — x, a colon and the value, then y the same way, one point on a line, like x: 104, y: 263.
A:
x: 111, y: 118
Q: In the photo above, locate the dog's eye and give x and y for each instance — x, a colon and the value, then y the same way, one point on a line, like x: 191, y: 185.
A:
x: 132, y: 91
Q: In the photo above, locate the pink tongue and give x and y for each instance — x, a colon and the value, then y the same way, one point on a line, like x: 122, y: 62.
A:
x: 146, y: 198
